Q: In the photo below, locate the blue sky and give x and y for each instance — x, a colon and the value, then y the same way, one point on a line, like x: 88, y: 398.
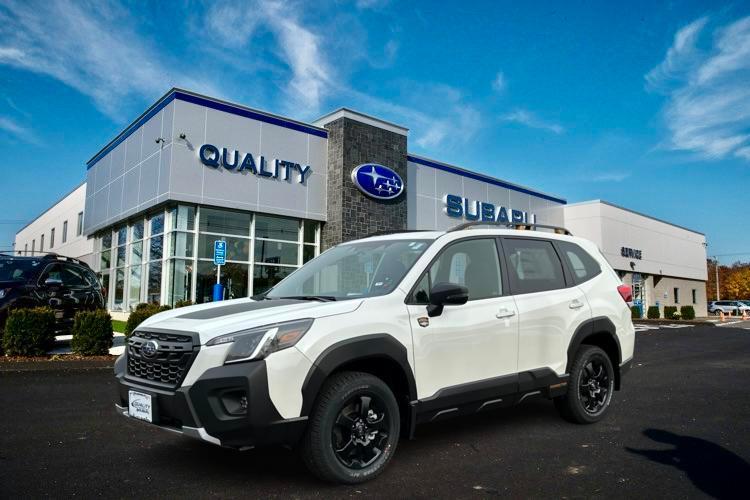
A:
x: 645, y: 105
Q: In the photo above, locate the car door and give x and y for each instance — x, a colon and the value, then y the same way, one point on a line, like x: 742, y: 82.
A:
x: 79, y: 292
x: 476, y: 341
x: 550, y: 309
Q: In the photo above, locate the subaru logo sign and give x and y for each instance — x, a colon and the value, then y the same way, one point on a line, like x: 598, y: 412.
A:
x: 149, y: 349
x: 377, y: 181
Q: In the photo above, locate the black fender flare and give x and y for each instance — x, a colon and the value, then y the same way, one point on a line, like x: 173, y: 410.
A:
x: 367, y: 347
x: 595, y: 326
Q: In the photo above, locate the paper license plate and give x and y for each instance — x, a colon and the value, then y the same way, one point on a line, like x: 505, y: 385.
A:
x: 140, y: 406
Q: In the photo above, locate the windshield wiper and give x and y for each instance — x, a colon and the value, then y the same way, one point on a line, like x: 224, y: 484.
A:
x: 321, y: 298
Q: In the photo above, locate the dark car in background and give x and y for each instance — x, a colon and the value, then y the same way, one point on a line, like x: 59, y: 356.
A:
x: 64, y: 284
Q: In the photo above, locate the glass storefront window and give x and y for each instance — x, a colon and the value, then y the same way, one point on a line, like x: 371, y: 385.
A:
x: 183, y: 218
x: 156, y: 248
x: 310, y: 228
x: 122, y: 236
x: 157, y: 224
x: 153, y: 292
x: 134, y: 286
x: 119, y: 288
x: 308, y: 253
x: 264, y: 276
x: 275, y: 252
x: 224, y: 222
x: 107, y: 241
x: 181, y: 245
x: 136, y: 253
x: 180, y: 280
x: 105, y: 260
x: 121, y: 256
x: 138, y: 230
x: 237, y: 248
x: 234, y: 277
x: 276, y: 228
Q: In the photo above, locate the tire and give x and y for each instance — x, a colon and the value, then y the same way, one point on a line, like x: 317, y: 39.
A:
x: 353, y: 429
x: 587, y: 402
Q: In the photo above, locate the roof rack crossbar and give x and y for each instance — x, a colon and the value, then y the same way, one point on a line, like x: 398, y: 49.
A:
x: 512, y: 225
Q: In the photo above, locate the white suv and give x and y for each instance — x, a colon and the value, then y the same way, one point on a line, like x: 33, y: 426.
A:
x: 374, y: 336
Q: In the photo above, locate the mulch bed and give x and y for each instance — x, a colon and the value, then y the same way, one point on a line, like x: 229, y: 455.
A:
x: 55, y: 362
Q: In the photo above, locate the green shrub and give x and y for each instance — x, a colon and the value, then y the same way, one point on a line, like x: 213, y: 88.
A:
x: 653, y: 312
x: 183, y: 303
x: 141, y: 313
x: 688, y: 312
x: 29, y: 332
x: 92, y: 333
x: 635, y: 312
x: 669, y: 312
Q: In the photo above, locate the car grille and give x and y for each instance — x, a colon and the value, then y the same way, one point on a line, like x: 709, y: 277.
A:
x: 168, y: 364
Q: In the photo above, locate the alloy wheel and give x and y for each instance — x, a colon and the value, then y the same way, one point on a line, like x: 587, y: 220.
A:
x: 360, y: 432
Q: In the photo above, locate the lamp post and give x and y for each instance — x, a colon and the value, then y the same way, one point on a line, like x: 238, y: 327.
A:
x: 716, y: 268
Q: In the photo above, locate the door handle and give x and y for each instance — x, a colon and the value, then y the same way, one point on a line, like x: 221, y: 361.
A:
x: 575, y: 304
x: 505, y: 313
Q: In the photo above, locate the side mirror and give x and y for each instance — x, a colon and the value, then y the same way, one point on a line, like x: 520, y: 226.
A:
x: 446, y: 294
x: 53, y: 283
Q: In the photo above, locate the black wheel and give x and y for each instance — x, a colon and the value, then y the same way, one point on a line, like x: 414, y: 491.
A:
x: 590, y: 387
x: 353, y: 429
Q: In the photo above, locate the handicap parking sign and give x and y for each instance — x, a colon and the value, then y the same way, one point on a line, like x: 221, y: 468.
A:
x: 220, y: 252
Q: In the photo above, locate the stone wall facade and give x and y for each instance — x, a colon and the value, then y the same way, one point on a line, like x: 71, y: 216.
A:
x: 351, y: 214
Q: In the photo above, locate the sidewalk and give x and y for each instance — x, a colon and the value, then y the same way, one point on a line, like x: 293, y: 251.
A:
x: 62, y: 344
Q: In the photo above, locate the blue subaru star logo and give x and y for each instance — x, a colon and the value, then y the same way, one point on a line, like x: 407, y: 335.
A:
x: 378, y: 181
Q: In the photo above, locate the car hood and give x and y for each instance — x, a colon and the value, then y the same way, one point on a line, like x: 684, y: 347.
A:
x: 219, y: 318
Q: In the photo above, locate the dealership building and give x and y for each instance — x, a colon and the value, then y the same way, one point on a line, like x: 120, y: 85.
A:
x: 192, y: 170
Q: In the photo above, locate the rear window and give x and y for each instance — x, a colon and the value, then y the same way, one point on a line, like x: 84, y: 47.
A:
x: 534, y: 266
x: 582, y: 265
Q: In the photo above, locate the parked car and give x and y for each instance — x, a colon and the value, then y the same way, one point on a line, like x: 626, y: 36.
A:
x: 728, y: 307
x: 64, y: 284
x: 375, y: 336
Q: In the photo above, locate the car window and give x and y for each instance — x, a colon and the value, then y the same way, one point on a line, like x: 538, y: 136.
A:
x: 534, y: 266
x: 54, y: 272
x: 72, y: 276
x: 582, y: 265
x: 471, y: 263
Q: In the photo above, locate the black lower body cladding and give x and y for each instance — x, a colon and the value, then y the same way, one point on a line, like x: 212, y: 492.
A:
x: 230, y: 402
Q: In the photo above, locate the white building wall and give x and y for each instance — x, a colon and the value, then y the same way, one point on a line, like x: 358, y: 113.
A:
x: 67, y: 209
x: 429, y: 181
x: 666, y: 249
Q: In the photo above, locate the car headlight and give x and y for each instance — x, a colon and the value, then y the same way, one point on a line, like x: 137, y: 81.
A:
x: 4, y: 292
x: 257, y: 343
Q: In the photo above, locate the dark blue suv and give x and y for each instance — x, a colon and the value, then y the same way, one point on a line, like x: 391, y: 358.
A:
x: 64, y: 284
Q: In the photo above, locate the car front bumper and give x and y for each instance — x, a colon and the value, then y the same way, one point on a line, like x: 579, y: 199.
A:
x: 212, y: 407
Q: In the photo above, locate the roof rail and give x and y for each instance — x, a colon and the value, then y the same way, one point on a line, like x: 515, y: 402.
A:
x: 55, y: 256
x: 511, y: 225
x: 397, y: 231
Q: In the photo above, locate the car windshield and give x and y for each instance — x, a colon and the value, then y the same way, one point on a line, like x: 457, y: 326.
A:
x: 19, y: 269
x: 352, y: 270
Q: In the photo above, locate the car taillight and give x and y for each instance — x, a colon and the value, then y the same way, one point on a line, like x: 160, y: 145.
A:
x: 625, y: 292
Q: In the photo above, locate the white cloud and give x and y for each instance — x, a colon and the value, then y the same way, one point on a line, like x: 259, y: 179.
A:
x: 91, y: 47
x: 499, y: 83
x: 609, y: 176
x: 300, y: 49
x: 708, y: 108
x: 679, y: 56
x: 12, y: 128
x: 529, y: 119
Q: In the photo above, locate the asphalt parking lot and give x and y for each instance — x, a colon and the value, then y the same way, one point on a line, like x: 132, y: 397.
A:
x: 679, y: 428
